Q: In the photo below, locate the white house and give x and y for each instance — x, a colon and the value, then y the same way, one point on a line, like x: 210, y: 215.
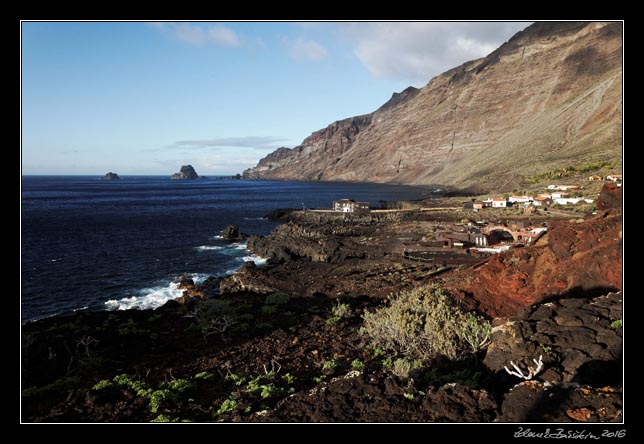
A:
x: 568, y: 200
x: 350, y: 206
x: 541, y: 201
x: 563, y: 187
x: 558, y: 195
x: 614, y: 177
x: 499, y: 202
x: 519, y: 199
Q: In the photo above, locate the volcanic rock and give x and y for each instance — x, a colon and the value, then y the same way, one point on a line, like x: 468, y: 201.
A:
x: 531, y: 401
x: 111, y: 176
x: 231, y: 232
x: 186, y: 172
x: 580, y: 258
x: 610, y: 196
x: 575, y: 338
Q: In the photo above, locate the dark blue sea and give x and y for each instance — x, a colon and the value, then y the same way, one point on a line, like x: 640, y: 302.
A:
x: 90, y: 244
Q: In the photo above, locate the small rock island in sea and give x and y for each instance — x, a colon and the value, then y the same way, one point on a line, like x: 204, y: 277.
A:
x: 186, y: 172
x: 111, y: 176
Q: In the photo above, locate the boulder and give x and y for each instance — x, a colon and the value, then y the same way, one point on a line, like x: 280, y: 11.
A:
x: 187, y: 172
x: 532, y: 401
x: 111, y: 176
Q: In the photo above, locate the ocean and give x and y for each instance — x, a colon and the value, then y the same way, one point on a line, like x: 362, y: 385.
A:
x: 91, y: 244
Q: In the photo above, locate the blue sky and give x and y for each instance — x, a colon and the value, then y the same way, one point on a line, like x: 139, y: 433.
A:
x: 146, y: 98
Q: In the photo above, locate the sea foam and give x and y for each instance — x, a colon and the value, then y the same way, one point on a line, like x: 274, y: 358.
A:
x: 208, y: 247
x: 153, y: 297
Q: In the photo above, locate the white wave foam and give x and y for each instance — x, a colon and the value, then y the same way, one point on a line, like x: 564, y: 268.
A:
x: 153, y: 297
x: 259, y: 261
x: 148, y: 298
x: 255, y: 218
x: 208, y: 247
x: 199, y: 278
x: 218, y: 236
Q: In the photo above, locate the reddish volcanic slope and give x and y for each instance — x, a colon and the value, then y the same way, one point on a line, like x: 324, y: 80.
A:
x: 580, y: 258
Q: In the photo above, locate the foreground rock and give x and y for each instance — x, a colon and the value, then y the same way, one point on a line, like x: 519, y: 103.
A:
x: 580, y: 341
x: 270, y: 354
x: 532, y: 401
x: 111, y: 176
x: 187, y: 172
x: 357, y: 398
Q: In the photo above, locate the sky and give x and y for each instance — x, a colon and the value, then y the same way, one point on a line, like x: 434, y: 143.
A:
x: 141, y: 98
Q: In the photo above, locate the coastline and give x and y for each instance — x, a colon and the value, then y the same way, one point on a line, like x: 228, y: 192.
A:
x: 274, y: 346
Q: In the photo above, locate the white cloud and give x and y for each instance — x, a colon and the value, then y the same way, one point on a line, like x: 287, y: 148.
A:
x: 255, y: 142
x: 200, y: 34
x: 301, y: 49
x: 417, y: 51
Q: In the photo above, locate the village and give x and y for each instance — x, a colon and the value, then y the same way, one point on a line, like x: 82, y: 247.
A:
x: 470, y: 237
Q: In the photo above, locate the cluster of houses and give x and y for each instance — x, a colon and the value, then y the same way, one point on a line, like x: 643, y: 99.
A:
x: 611, y: 177
x: 477, y: 237
x: 559, y: 194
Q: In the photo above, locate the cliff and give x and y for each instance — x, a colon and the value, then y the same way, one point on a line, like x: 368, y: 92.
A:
x: 549, y: 97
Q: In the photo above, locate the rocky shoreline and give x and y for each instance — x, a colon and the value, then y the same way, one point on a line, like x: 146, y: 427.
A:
x: 287, y: 343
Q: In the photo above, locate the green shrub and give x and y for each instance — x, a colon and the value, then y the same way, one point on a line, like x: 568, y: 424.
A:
x: 377, y: 351
x: 102, y: 385
x: 288, y: 378
x: 424, y: 323
x: 616, y: 324
x: 333, y: 320
x: 206, y: 376
x: 357, y: 364
x: 157, y: 398
x: 342, y: 310
x: 476, y: 331
x: 329, y: 365
x: 229, y: 405
x: 165, y: 418
x: 402, y: 367
x: 277, y: 299
x: 268, y: 309
x: 61, y: 385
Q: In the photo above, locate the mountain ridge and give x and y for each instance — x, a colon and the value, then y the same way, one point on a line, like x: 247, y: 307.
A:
x: 549, y: 97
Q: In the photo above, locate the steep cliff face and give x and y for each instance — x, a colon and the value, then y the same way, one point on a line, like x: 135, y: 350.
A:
x: 550, y: 96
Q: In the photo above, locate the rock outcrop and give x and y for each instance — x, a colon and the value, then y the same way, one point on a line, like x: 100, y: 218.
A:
x: 111, y: 176
x: 186, y: 172
x: 231, y: 232
x: 549, y: 97
x: 610, y: 196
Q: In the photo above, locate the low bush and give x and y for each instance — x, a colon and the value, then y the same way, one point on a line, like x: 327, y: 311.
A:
x: 425, y: 323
